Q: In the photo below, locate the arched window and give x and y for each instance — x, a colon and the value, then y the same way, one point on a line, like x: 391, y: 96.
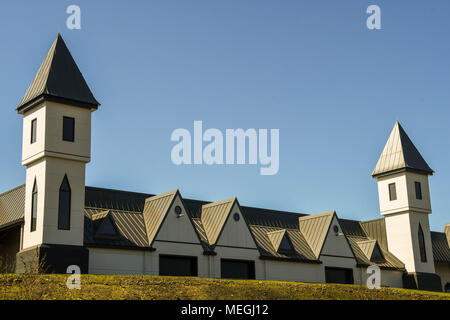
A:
x: 423, y: 253
x: 34, y: 204
x: 64, y: 205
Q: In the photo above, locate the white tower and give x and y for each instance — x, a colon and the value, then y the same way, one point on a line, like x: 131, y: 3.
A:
x: 56, y: 147
x: 404, y: 197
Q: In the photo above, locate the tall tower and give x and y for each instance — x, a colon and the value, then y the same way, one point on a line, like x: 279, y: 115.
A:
x: 56, y: 146
x: 404, y: 196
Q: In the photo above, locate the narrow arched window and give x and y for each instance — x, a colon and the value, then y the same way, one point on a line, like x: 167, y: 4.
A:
x: 423, y: 253
x: 34, y: 204
x: 64, y: 205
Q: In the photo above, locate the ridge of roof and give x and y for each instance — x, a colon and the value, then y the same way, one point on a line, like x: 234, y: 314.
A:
x: 162, y: 195
x: 12, y: 190
x: 317, y: 215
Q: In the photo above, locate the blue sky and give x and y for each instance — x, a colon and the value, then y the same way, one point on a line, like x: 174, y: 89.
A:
x: 309, y: 68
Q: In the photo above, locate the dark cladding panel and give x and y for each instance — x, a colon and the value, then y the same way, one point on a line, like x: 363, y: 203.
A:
x: 237, y: 269
x: 338, y: 275
x: 177, y: 266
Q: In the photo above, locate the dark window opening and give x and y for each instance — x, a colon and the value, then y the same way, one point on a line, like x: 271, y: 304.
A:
x: 377, y: 256
x: 68, y: 129
x: 64, y: 205
x: 418, y: 190
x: 33, y: 130
x: 338, y: 275
x: 392, y: 192
x: 106, y: 230
x: 286, y: 247
x: 34, y: 207
x: 237, y: 269
x: 447, y: 287
x: 423, y: 252
x: 170, y: 265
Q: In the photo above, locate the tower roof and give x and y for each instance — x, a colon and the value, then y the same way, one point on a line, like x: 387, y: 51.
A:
x: 58, y: 79
x: 400, y: 154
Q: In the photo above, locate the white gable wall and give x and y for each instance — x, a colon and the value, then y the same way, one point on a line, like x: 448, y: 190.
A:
x: 336, y: 252
x: 176, y: 228
x: 336, y: 245
x: 236, y: 233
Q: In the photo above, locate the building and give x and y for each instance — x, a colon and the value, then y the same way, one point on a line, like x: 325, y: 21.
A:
x: 54, y: 220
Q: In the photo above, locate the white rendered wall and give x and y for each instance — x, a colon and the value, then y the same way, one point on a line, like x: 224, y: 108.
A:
x: 406, y: 194
x: 48, y: 160
x: 177, y: 228
x: 389, y: 278
x: 49, y: 141
x: 236, y: 233
x: 294, y: 271
x: 402, y: 237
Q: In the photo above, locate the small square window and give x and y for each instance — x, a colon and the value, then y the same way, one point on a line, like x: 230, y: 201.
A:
x: 68, y: 129
x: 418, y: 190
x: 33, y: 130
x: 392, y: 192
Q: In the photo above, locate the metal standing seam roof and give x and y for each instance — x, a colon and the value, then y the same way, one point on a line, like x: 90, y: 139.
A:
x: 267, y: 249
x: 213, y: 218
x: 59, y: 77
x: 367, y: 247
x: 400, y: 153
x: 129, y: 225
x: 126, y: 211
x: 315, y: 229
x: 389, y: 261
x: 12, y: 206
x: 441, y: 247
x: 376, y: 229
x: 275, y: 238
x: 155, y: 210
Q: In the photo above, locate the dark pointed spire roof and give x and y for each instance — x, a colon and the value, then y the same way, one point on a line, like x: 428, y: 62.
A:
x: 400, y: 154
x: 58, y: 79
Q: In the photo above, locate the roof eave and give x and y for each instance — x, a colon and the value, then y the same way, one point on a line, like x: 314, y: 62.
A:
x: 406, y: 169
x: 21, y: 109
x: 263, y: 257
x: 12, y: 224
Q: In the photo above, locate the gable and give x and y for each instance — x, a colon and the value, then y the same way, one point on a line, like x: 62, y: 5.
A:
x: 177, y: 227
x: 155, y: 210
x: 314, y: 228
x: 336, y: 243
x: 275, y: 238
x: 214, y: 216
x: 371, y: 250
x: 236, y: 233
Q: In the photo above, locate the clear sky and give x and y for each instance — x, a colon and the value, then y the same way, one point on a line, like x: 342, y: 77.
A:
x: 311, y: 69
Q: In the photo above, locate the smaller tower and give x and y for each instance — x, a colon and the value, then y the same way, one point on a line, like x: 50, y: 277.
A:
x: 404, y: 197
x: 56, y: 146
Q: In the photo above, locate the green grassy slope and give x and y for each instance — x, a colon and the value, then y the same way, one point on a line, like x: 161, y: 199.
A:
x: 13, y: 286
